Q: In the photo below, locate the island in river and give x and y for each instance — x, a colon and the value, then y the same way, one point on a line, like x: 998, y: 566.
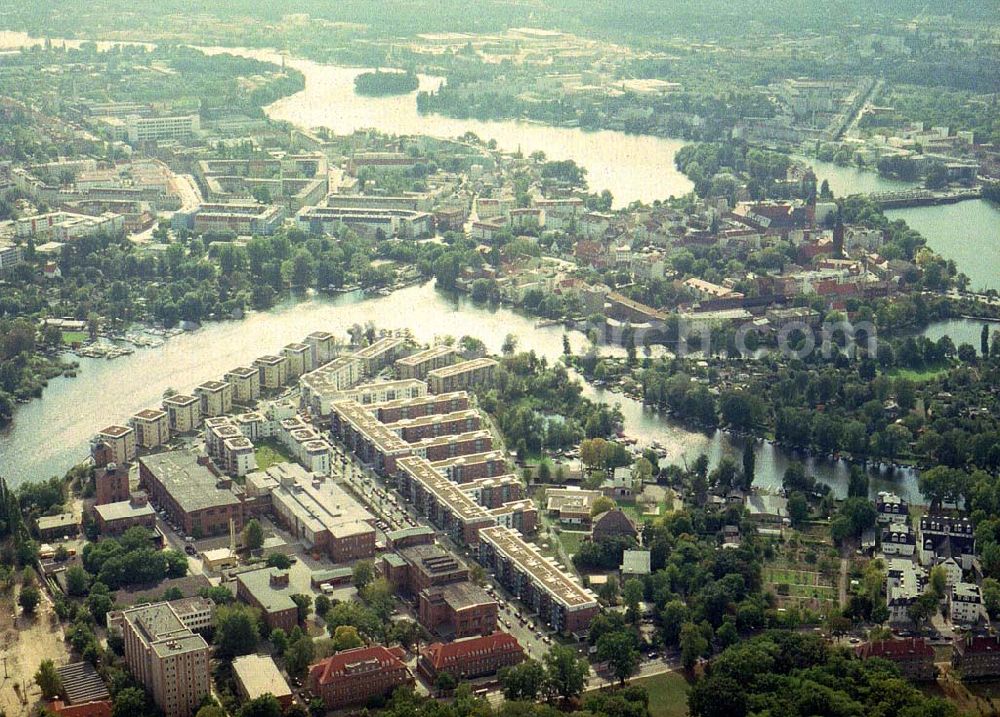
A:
x: 379, y: 84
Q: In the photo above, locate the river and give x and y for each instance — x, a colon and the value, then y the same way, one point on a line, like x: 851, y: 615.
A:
x: 50, y: 435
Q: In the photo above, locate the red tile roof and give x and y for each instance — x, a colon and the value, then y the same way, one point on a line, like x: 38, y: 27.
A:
x: 359, y: 659
x: 979, y: 645
x: 443, y: 655
x: 895, y: 649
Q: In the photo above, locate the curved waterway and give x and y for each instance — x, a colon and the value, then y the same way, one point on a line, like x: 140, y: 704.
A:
x: 52, y: 434
x: 49, y: 436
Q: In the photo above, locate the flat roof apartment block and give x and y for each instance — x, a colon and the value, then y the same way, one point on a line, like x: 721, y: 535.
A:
x: 458, y: 610
x: 326, y: 385
x: 120, y: 440
x: 165, y: 656
x: 558, y: 598
x: 245, y: 382
x: 380, y: 354
x: 273, y: 371
x: 366, y: 437
x: 462, y: 375
x: 462, y: 444
x: 383, y: 391
x: 443, y: 502
x: 418, y: 364
x: 413, y: 430
x: 152, y: 428
x: 462, y: 469
x: 392, y: 411
x: 216, y: 397
x: 322, y: 345
x: 184, y: 412
x: 300, y: 359
x: 195, y: 496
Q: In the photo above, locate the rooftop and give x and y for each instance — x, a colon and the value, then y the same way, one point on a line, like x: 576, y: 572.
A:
x: 379, y: 347
x: 445, y: 654
x: 272, y: 595
x: 114, y: 431
x: 426, y: 355
x: 213, y: 385
x: 457, y: 369
x: 180, y: 399
x: 193, y: 486
x: 418, y: 400
x: 636, y: 562
x: 150, y: 414
x: 368, y: 426
x: 462, y: 595
x: 82, y: 684
x: 443, y: 490
x: 470, y: 458
x: 556, y: 582
x: 242, y: 372
x: 124, y: 509
x: 259, y: 675
x: 54, y: 522
x: 357, y: 661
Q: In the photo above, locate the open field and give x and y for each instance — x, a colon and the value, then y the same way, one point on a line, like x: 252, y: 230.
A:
x: 919, y: 376
x: 667, y: 694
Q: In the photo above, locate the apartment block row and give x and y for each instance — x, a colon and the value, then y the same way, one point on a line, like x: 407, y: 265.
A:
x: 560, y: 601
x: 464, y: 509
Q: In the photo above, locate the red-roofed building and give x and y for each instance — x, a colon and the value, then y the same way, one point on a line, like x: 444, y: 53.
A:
x: 976, y: 657
x: 470, y: 658
x: 353, y: 677
x: 913, y: 656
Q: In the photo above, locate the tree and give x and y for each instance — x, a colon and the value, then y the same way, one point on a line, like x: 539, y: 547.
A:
x: 363, y: 574
x: 565, y: 674
x: 991, y: 596
x: 48, y: 680
x: 984, y: 341
x: 923, y: 609
x: 299, y: 656
x: 523, y: 681
x: 509, y: 345
x: 253, y: 535
x: 322, y: 605
x: 798, y: 508
x: 672, y: 618
x: 29, y: 598
x: 304, y: 604
x: 346, y: 637
x: 445, y: 682
x: 632, y: 592
x: 264, y: 706
x: 279, y: 638
x: 601, y: 504
x: 129, y: 702
x: 938, y: 581
x: 77, y: 581
x: 279, y: 561
x: 693, y: 645
x: 618, y: 649
x: 210, y: 711
x: 236, y: 630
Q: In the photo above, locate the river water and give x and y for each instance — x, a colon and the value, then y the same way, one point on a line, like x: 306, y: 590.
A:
x: 50, y: 435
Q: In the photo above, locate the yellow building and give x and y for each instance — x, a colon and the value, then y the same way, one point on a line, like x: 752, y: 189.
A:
x: 273, y: 371
x: 216, y: 398
x: 184, y: 412
x: 152, y: 427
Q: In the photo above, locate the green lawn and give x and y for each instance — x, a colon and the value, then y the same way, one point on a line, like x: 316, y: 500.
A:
x: 571, y: 542
x: 70, y: 337
x: 667, y: 694
x: 269, y: 453
x: 919, y: 376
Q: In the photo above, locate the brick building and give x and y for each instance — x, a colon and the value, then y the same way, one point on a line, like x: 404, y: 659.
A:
x: 457, y: 610
x: 976, y: 657
x: 913, y: 656
x: 270, y: 591
x: 353, y: 677
x: 470, y: 658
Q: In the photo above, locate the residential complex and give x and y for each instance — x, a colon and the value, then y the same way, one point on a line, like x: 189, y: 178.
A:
x: 560, y: 601
x: 166, y: 657
x: 216, y: 398
x: 417, y: 365
x: 387, y: 223
x: 119, y: 441
x: 183, y: 412
x: 152, y: 428
x: 463, y: 375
